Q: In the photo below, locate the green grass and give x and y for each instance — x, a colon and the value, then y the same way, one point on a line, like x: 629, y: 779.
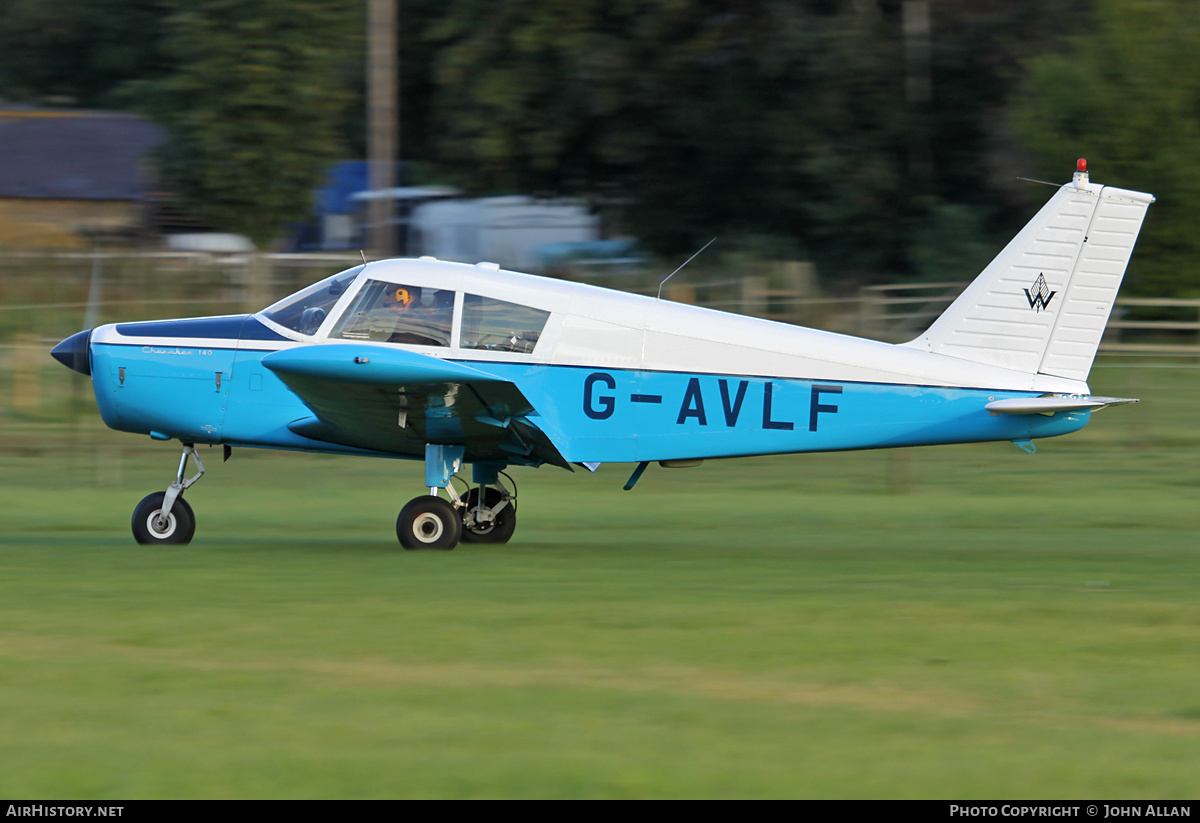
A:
x: 966, y: 622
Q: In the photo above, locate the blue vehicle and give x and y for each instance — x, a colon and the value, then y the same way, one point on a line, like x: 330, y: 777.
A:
x: 456, y: 364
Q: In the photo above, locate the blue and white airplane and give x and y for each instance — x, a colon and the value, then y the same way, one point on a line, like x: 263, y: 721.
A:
x: 454, y: 364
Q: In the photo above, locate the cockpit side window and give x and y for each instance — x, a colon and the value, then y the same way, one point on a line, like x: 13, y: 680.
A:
x: 305, y: 310
x: 496, y: 325
x: 396, y: 313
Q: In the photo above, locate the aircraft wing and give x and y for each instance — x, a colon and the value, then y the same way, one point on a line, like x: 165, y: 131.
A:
x: 396, y: 401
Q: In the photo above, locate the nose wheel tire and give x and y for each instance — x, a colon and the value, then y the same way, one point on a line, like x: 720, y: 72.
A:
x: 151, y: 528
x: 428, y: 522
x: 499, y: 529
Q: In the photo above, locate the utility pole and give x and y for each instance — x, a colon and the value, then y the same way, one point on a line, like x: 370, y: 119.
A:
x: 382, y: 122
x: 918, y: 84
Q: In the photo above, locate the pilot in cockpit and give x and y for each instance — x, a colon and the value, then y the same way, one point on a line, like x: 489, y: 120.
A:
x: 414, y: 320
x: 394, y: 313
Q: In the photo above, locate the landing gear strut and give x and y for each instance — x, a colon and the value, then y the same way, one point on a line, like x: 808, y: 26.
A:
x: 489, y: 513
x: 165, y: 518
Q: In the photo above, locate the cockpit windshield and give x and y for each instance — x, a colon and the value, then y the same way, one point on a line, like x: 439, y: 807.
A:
x: 305, y: 310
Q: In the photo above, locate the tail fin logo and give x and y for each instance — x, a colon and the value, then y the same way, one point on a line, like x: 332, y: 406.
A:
x: 1039, y: 296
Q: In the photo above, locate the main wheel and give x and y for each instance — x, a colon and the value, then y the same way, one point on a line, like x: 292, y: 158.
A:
x: 428, y: 522
x: 497, y: 530
x: 151, y: 528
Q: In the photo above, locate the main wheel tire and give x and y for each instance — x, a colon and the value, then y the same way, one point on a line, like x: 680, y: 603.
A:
x: 499, y: 530
x: 150, y: 529
x: 428, y: 522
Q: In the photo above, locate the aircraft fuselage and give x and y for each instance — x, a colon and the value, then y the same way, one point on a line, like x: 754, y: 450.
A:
x: 455, y: 364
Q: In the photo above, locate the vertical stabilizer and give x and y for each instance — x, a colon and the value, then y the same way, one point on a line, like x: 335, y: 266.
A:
x: 1041, y: 306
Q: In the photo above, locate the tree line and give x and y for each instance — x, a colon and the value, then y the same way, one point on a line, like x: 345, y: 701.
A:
x: 882, y: 139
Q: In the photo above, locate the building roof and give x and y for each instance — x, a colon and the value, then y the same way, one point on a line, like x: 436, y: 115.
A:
x: 75, y: 155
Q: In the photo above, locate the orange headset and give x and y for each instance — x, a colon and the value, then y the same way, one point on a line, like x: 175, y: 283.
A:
x: 398, y: 294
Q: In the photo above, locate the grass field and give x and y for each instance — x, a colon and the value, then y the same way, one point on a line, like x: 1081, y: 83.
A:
x: 959, y: 622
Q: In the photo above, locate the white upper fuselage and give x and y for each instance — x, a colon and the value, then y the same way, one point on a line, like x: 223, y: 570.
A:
x: 603, y: 328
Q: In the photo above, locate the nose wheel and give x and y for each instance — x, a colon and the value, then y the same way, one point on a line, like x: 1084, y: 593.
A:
x: 151, y: 525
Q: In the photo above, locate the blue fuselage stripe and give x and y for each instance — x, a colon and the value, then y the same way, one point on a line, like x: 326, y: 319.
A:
x: 225, y: 395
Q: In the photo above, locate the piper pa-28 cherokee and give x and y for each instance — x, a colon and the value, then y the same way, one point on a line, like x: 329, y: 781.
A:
x: 453, y: 364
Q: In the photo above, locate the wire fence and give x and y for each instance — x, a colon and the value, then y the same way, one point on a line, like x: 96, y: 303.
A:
x: 1138, y: 325
x: 46, y: 297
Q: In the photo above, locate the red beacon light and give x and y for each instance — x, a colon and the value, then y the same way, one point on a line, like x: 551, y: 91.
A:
x: 1081, y: 174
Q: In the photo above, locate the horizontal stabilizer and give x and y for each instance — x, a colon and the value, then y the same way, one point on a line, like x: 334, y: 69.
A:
x: 1052, y: 403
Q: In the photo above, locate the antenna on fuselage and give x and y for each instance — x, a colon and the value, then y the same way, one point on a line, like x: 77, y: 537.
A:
x: 685, y: 262
x: 363, y: 254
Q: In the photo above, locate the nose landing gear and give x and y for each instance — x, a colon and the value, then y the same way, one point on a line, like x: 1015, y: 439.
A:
x: 165, y: 518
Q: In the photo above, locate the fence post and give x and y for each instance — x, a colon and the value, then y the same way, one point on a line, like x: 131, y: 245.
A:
x: 754, y: 295
x: 866, y: 311
x: 798, y: 283
x: 27, y: 356
x: 681, y: 293
x: 258, y: 281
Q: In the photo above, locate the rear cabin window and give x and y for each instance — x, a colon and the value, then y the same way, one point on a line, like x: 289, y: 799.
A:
x: 395, y: 313
x: 495, y: 325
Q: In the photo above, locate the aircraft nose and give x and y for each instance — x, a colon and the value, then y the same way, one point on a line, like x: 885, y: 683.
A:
x: 73, y: 352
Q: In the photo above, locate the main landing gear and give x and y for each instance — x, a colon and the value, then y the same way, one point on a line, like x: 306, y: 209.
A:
x: 165, y: 518
x: 486, y: 513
